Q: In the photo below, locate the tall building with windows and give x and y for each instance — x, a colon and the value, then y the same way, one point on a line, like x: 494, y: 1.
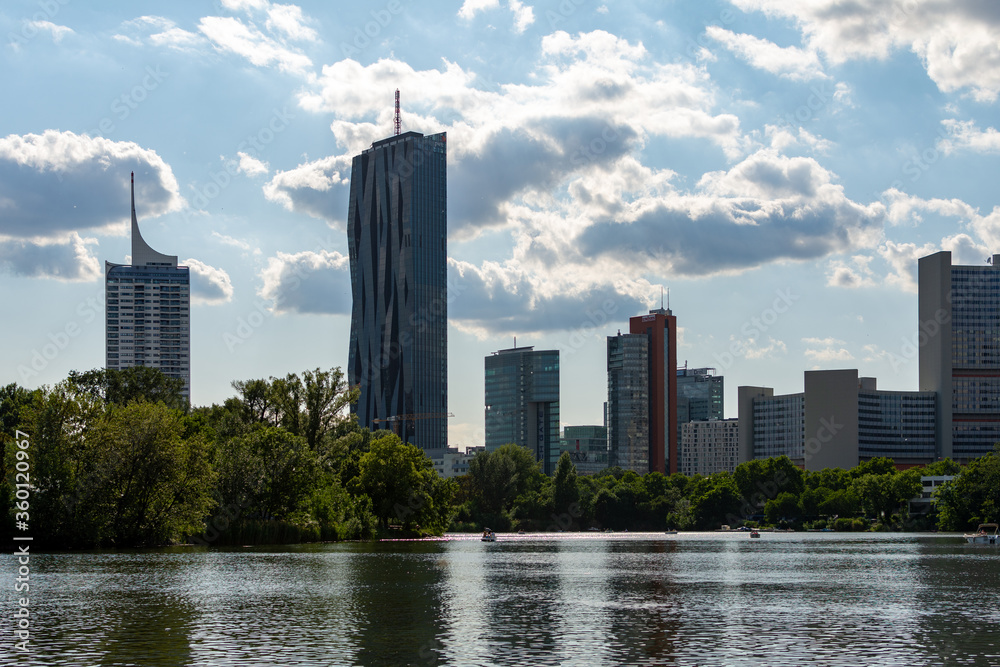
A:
x: 959, y: 341
x: 699, y: 395
x: 839, y: 421
x: 148, y: 315
x: 522, y: 402
x: 628, y: 402
x: 660, y: 327
x: 708, y: 447
x: 397, y: 228
x: 587, y: 447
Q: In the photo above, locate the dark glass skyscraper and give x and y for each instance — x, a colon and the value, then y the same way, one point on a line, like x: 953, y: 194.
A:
x: 522, y: 402
x: 397, y: 227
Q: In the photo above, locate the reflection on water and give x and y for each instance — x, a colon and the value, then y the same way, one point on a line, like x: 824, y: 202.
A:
x: 571, y: 599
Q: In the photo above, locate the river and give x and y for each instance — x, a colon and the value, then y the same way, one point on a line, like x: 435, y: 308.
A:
x: 565, y: 599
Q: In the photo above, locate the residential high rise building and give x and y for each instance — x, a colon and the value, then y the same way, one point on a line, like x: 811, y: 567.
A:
x: 397, y: 228
x: 522, y: 402
x: 148, y: 315
x: 708, y: 447
x: 628, y: 402
x: 660, y: 328
x: 958, y: 338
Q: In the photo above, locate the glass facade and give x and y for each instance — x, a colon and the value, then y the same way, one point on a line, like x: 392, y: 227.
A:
x: 699, y: 395
x: 522, y: 402
x: 779, y: 426
x: 898, y: 425
x: 628, y: 402
x: 587, y: 447
x: 397, y: 228
x: 975, y: 358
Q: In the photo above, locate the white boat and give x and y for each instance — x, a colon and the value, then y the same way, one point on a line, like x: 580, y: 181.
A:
x: 983, y: 534
x: 489, y: 536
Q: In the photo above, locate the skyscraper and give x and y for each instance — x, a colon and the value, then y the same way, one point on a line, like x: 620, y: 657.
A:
x: 628, y: 402
x: 148, y: 319
x: 699, y: 395
x: 660, y: 328
x: 397, y: 227
x: 522, y: 402
x: 959, y: 341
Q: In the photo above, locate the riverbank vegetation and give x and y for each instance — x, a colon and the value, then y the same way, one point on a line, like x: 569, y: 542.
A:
x: 115, y: 458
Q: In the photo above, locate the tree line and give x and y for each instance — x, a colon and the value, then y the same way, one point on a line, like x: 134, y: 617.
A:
x: 117, y: 458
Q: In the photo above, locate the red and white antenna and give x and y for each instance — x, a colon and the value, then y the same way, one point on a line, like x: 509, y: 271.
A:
x: 398, y: 122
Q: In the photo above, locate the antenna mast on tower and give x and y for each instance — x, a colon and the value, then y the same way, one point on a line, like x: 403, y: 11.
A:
x: 398, y: 121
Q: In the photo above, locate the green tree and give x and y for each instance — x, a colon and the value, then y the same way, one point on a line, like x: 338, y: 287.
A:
x: 121, y: 387
x: 784, y: 506
x: 722, y: 500
x: 973, y: 497
x: 499, y: 477
x: 565, y: 491
x: 403, y: 485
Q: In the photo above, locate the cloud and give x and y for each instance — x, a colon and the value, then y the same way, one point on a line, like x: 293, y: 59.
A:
x: 232, y: 35
x: 251, y: 166
x: 236, y: 243
x: 58, y: 32
x: 68, y: 260
x: 595, y: 99
x: 288, y: 19
x: 470, y: 8
x: 788, y: 62
x: 57, y: 182
x: 826, y: 350
x: 956, y: 41
x: 308, y: 283
x: 841, y: 274
x: 902, y: 260
x: 766, y: 208
x: 177, y: 38
x: 209, y: 285
x: 964, y: 135
x: 523, y: 15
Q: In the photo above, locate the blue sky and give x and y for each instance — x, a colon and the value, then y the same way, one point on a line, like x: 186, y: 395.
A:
x: 778, y: 165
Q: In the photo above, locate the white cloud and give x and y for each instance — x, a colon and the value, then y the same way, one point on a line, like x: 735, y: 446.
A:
x: 789, y: 62
x: 231, y: 34
x: 956, y: 40
x: 308, y: 282
x: 91, y: 177
x: 58, y: 32
x: 472, y: 7
x: 177, y: 38
x: 209, y: 285
x: 860, y: 274
x: 251, y: 166
x: 523, y: 15
x: 826, y: 350
x: 288, y: 20
x: 236, y: 243
x: 244, y: 5
x: 902, y: 260
x: 964, y: 135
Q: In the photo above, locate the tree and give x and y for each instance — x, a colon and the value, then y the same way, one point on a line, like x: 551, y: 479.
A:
x: 499, y: 477
x: 403, y: 485
x: 121, y: 387
x: 973, y: 497
x: 565, y: 491
x: 784, y: 506
x: 713, y: 507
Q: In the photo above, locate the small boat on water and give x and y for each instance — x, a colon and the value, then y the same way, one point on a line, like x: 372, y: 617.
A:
x: 983, y: 534
x: 489, y: 536
x: 754, y: 533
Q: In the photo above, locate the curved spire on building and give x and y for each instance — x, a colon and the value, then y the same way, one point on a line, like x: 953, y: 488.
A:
x: 142, y: 254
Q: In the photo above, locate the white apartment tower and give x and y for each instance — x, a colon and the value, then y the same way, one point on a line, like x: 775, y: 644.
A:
x: 148, y: 318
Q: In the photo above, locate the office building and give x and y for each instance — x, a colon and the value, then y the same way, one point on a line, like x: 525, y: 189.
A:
x: 837, y: 422
x: 397, y: 228
x: 522, y: 402
x: 958, y: 338
x: 699, y: 395
x: 660, y: 328
x: 708, y: 447
x: 148, y: 316
x: 628, y: 402
x: 587, y: 447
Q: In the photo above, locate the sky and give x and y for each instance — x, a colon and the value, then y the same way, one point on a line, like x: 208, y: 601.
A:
x: 778, y: 165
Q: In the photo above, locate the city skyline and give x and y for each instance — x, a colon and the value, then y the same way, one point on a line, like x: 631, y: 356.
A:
x: 780, y: 167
